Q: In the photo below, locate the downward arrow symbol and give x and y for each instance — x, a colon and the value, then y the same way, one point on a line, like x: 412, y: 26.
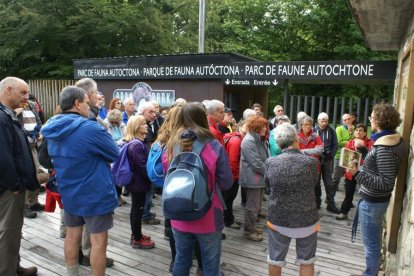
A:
x: 275, y: 82
x: 227, y: 81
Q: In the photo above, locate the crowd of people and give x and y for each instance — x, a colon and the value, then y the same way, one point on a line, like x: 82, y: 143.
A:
x: 266, y: 159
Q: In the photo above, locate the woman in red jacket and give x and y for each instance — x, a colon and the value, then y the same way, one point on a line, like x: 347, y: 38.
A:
x: 309, y: 142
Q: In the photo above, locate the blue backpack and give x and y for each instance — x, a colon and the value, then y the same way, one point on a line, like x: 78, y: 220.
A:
x: 121, y: 168
x: 155, y: 169
x: 186, y: 195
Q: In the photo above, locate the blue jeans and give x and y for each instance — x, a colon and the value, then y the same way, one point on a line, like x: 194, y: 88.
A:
x: 370, y: 217
x: 210, y: 247
x: 148, y: 201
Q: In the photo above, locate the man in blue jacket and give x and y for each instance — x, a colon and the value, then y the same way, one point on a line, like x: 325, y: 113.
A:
x: 81, y: 152
x: 17, y: 174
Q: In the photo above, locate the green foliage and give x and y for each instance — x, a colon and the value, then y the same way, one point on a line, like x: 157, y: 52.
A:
x: 41, y: 38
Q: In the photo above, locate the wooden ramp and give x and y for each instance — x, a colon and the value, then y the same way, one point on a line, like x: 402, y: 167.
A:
x: 42, y: 247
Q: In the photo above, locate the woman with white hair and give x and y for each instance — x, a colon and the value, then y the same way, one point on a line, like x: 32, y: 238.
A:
x: 292, y: 212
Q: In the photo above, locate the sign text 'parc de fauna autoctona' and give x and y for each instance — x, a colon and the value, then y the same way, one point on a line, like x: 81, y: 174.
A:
x: 339, y: 70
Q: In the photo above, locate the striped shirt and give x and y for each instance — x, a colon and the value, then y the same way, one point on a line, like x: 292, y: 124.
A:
x: 380, y: 168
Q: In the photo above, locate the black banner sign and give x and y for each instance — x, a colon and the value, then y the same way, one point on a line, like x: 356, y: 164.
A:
x: 335, y: 70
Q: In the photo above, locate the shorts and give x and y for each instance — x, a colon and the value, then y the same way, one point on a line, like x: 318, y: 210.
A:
x: 279, y: 247
x: 95, y: 224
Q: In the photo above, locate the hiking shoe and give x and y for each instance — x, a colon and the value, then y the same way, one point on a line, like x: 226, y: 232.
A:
x: 151, y: 221
x: 85, y: 261
x: 332, y: 209
x: 37, y: 207
x: 142, y: 244
x: 341, y: 217
x: 253, y: 236
x: 29, y: 213
x: 234, y: 226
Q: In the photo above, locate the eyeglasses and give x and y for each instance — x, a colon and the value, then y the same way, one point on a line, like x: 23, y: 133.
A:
x: 347, y: 119
x: 118, y: 103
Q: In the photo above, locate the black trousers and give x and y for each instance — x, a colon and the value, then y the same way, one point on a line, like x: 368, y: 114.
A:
x: 137, y: 208
x: 350, y: 186
x: 229, y: 196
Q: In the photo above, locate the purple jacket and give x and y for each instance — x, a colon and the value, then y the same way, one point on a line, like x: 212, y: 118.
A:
x: 138, y: 155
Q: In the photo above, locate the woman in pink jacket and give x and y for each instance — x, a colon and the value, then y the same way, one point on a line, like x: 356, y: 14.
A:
x: 206, y: 230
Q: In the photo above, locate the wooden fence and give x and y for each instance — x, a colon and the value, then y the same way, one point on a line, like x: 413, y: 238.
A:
x: 333, y: 106
x: 47, y: 92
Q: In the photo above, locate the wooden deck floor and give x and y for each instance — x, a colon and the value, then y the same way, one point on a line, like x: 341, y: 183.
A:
x: 41, y: 246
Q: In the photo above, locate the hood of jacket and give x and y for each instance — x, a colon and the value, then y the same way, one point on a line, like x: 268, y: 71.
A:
x: 60, y: 126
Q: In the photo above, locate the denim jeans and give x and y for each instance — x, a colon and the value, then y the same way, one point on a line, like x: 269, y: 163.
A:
x: 148, y: 202
x: 210, y: 247
x: 370, y: 218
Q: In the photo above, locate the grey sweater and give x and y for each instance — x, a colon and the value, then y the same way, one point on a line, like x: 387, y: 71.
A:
x: 291, y: 177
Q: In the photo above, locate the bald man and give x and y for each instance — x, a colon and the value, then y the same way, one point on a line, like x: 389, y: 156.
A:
x: 17, y: 174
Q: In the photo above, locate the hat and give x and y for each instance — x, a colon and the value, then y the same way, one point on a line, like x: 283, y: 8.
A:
x: 228, y: 109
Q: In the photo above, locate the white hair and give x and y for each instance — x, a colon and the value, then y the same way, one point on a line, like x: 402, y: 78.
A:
x: 323, y: 115
x: 300, y: 116
x: 285, y: 135
x: 276, y: 107
x: 144, y: 106
x: 248, y: 113
x: 128, y: 100
x: 213, y: 105
x: 9, y: 81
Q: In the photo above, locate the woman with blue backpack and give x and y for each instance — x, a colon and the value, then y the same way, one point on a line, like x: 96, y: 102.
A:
x: 192, y: 134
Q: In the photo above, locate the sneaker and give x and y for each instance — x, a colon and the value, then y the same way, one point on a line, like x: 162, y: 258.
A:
x: 234, y: 226
x: 37, y: 207
x: 62, y: 234
x: 332, y: 209
x: 253, y: 236
x: 259, y: 230
x: 341, y: 217
x: 29, y: 213
x: 29, y: 271
x: 223, y: 236
x: 151, y: 221
x: 142, y: 244
x: 145, y: 237
x: 153, y: 215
